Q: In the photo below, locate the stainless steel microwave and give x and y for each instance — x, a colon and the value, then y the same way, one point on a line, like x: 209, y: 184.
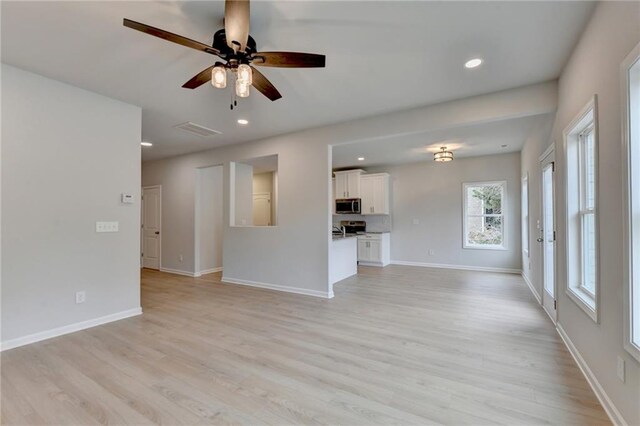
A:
x: 348, y: 206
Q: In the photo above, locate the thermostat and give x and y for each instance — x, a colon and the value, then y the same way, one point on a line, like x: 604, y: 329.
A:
x: 127, y: 199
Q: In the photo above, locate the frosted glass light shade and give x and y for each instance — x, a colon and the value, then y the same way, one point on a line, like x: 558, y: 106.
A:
x: 242, y: 89
x: 245, y: 74
x: 219, y: 77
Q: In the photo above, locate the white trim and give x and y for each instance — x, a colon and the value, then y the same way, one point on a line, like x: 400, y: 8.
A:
x: 278, y: 287
x: 458, y: 267
x: 628, y: 230
x: 66, y: 329
x: 551, y: 148
x: 583, y: 301
x: 208, y: 271
x: 611, y: 410
x: 178, y: 272
x: 532, y: 288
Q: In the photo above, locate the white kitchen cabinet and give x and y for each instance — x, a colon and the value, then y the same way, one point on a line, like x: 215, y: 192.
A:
x: 374, y: 249
x: 348, y: 184
x: 374, y: 191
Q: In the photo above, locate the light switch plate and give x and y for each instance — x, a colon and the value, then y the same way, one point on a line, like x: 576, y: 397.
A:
x: 106, y: 226
x: 620, y: 369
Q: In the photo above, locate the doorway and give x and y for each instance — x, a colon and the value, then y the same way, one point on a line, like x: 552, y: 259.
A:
x: 548, y: 235
x: 151, y: 226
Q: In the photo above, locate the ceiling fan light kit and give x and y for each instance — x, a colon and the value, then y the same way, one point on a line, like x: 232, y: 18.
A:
x: 219, y: 77
x: 238, y: 49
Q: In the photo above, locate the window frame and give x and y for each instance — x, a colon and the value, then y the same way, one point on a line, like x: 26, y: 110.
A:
x: 631, y: 194
x: 503, y: 216
x: 585, y: 122
x: 525, y: 214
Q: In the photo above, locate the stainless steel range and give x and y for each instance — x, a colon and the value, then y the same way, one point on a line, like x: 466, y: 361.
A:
x: 354, y: 226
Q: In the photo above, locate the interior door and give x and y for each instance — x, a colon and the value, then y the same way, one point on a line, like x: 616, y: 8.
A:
x: 151, y: 224
x: 548, y: 236
x: 262, y: 209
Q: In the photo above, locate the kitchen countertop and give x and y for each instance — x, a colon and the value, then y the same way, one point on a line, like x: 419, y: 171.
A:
x: 343, y: 237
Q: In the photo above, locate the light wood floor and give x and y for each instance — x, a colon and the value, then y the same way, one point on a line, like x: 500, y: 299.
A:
x: 399, y: 345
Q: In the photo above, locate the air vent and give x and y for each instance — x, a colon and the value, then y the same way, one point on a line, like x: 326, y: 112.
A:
x: 197, y: 129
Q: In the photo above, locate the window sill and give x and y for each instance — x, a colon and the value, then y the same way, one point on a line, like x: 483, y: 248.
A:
x: 585, y: 301
x: 633, y: 349
x: 472, y: 247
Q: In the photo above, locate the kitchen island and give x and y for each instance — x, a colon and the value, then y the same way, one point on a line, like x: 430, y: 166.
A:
x: 343, y: 257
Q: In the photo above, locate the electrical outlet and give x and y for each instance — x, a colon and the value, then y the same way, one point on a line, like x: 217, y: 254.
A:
x: 81, y: 297
x: 180, y: 258
x: 620, y: 369
x: 432, y: 252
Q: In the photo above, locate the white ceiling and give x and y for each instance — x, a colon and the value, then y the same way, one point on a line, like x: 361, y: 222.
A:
x: 381, y: 57
x: 467, y: 141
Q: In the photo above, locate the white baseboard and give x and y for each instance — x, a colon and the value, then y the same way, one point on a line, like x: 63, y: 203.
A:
x: 611, y: 410
x: 208, y: 271
x: 71, y: 328
x: 296, y: 290
x: 460, y: 267
x: 177, y: 272
x: 532, y: 288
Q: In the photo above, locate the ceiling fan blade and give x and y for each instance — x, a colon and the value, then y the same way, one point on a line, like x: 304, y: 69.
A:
x: 289, y: 60
x: 175, y: 38
x: 264, y: 86
x: 199, y: 79
x: 236, y: 23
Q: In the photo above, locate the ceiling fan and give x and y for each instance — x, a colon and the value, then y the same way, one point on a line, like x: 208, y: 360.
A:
x: 238, y: 50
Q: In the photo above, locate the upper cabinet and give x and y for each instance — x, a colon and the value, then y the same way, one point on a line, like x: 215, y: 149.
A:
x: 348, y: 184
x: 374, y: 192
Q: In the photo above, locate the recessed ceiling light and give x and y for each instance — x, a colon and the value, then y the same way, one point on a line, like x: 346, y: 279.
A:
x: 243, y: 121
x: 472, y: 63
x: 146, y: 144
x: 360, y: 158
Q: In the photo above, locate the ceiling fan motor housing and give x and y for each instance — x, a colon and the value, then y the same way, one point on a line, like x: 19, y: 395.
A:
x: 227, y: 53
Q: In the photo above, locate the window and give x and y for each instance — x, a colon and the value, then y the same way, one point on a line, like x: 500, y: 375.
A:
x: 525, y: 215
x: 581, y: 150
x: 484, y: 221
x: 631, y: 119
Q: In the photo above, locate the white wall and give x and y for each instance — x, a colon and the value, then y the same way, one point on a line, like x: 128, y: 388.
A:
x: 594, y: 68
x: 431, y: 193
x: 294, y: 254
x: 67, y: 156
x: 242, y: 194
x: 209, y: 213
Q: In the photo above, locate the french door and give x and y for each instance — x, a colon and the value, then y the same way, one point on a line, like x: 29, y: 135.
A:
x: 548, y: 235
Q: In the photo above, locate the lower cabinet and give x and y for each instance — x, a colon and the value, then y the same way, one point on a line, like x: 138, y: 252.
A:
x: 374, y: 249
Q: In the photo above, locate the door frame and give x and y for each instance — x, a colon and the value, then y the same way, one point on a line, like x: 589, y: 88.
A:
x: 142, y: 227
x: 546, y: 159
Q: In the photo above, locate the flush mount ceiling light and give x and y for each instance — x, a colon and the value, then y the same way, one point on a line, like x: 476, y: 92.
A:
x: 243, y: 121
x: 360, y: 158
x: 473, y: 63
x: 443, y: 155
x: 146, y: 144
